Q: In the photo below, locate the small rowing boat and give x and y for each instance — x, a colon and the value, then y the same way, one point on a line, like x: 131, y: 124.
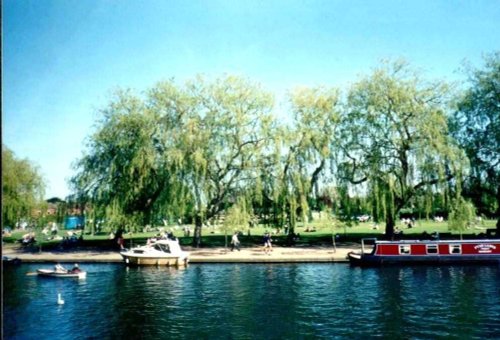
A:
x: 60, y: 271
x: 53, y: 273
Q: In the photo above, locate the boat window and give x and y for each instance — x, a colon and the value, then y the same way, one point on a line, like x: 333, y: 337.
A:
x: 162, y: 247
x: 432, y: 249
x: 404, y: 249
x: 455, y: 249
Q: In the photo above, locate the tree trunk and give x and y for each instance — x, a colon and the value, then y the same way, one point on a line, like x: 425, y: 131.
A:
x: 389, y: 215
x: 389, y: 226
x: 498, y: 212
x: 198, y: 223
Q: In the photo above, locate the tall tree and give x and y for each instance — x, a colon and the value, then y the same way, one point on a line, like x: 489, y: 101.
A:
x: 222, y: 139
x: 476, y: 125
x: 180, y: 150
x: 301, y: 152
x: 22, y: 188
x: 121, y: 169
x: 395, y: 137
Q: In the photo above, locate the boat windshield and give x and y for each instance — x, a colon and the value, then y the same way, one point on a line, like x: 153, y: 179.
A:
x: 162, y: 247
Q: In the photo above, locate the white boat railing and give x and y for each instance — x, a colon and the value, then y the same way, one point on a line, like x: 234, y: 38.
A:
x: 371, y: 239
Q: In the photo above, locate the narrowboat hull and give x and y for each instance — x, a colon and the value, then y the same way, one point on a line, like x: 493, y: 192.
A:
x: 427, y: 253
x: 369, y: 260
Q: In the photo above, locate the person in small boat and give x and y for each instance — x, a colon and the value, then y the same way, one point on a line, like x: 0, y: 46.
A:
x: 75, y: 269
x: 60, y: 269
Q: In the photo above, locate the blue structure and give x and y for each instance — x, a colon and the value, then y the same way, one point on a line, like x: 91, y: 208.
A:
x: 72, y: 222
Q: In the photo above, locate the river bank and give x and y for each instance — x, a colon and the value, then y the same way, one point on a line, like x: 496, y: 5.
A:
x: 197, y: 255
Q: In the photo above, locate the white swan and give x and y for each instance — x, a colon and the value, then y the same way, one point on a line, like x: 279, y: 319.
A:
x: 60, y: 301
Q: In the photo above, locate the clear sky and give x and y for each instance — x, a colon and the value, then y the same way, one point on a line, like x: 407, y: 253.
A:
x: 62, y: 58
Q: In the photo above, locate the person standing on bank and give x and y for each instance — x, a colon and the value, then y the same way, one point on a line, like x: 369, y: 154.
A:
x: 235, y: 242
x: 267, y: 243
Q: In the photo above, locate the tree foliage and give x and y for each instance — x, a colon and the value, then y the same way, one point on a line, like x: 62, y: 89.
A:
x: 221, y: 141
x: 394, y: 138
x: 476, y: 125
x: 462, y: 215
x: 22, y: 188
x: 123, y: 170
x: 181, y: 150
x: 215, y: 147
x: 301, y: 152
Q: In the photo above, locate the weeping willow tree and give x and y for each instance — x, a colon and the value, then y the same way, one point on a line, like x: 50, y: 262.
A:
x: 395, y: 138
x: 219, y: 142
x: 179, y: 151
x: 238, y: 216
x: 22, y: 188
x: 462, y: 215
x: 124, y: 172
x: 476, y: 125
x: 301, y: 153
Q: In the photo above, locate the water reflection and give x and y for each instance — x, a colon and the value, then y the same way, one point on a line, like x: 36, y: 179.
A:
x: 271, y: 301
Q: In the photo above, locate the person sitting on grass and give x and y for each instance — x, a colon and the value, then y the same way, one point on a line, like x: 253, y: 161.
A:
x: 28, y: 239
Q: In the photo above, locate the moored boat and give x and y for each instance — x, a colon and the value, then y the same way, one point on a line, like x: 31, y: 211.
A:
x: 11, y: 261
x: 62, y: 274
x: 165, y: 252
x: 426, y: 252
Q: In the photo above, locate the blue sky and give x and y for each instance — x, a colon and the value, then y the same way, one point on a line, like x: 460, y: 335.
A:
x: 63, y: 58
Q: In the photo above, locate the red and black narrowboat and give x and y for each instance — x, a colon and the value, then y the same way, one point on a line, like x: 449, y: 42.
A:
x: 426, y: 252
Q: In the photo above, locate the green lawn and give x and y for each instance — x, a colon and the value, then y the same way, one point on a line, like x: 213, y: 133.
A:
x: 322, y: 233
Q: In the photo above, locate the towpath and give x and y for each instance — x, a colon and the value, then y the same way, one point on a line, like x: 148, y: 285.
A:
x: 197, y: 255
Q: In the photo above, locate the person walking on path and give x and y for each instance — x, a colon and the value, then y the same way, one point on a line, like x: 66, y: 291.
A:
x: 267, y: 243
x: 235, y: 242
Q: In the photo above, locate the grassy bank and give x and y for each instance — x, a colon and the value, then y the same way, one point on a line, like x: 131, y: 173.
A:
x: 316, y: 233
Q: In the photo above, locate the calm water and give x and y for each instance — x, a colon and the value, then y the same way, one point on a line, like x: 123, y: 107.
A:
x: 244, y: 301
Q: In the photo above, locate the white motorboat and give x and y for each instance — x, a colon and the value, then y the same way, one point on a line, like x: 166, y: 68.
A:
x: 159, y: 253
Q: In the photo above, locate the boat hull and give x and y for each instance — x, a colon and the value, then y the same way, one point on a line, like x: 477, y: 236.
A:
x: 368, y: 260
x: 154, y: 261
x: 415, y: 252
x: 9, y: 261
x: 164, y: 252
x: 52, y: 273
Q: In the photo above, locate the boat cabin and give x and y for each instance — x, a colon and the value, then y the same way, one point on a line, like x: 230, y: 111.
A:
x: 161, y: 247
x: 422, y: 248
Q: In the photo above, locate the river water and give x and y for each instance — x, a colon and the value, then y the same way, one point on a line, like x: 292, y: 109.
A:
x: 254, y: 301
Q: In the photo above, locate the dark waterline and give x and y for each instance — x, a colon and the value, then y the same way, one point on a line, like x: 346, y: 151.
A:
x: 265, y: 301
